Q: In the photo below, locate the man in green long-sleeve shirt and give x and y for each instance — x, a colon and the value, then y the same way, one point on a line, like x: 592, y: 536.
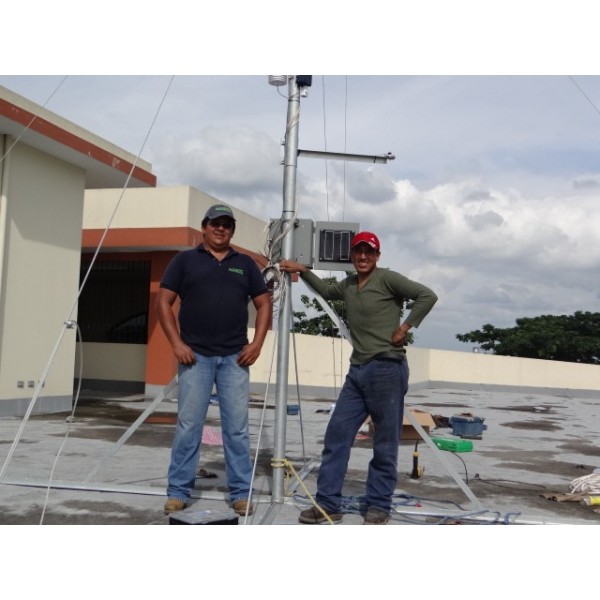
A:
x: 377, y: 379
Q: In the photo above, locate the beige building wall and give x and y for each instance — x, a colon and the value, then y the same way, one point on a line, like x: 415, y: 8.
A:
x: 111, y: 362
x: 164, y: 208
x: 459, y: 368
x: 40, y: 238
x: 318, y: 357
x: 318, y: 365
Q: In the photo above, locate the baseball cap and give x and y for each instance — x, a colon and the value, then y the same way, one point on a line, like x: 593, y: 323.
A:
x: 367, y: 237
x: 218, y: 210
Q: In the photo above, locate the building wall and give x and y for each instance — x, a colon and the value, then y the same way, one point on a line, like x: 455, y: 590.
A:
x: 154, y: 224
x: 154, y: 217
x: 488, y: 370
x: 317, y: 368
x: 111, y: 366
x: 321, y: 367
x: 40, y: 236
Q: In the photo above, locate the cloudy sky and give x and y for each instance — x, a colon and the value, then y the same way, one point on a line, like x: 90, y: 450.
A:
x: 492, y: 199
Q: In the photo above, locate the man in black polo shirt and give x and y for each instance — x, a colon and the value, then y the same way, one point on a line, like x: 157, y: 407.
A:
x: 214, y: 283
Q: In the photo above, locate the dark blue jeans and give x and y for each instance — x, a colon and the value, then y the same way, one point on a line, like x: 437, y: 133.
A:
x: 374, y: 389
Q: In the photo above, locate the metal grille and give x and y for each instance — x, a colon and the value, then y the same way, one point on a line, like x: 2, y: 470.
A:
x: 113, y: 306
x: 334, y: 245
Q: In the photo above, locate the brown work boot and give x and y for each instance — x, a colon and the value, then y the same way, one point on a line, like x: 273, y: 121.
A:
x: 313, y: 516
x: 376, y: 516
x: 242, y: 507
x: 174, y: 505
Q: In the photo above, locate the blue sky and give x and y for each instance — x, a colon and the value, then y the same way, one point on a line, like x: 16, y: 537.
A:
x: 492, y: 199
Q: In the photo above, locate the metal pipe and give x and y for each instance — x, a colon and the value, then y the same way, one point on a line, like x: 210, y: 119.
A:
x: 371, y: 158
x: 285, y: 311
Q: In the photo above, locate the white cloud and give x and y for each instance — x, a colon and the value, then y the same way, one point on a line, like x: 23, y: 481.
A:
x: 228, y: 159
x: 492, y: 198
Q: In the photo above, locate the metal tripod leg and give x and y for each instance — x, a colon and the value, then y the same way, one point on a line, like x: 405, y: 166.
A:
x: 440, y: 456
x: 166, y: 392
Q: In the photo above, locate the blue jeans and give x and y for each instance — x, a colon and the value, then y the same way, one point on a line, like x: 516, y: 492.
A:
x: 195, y: 389
x: 374, y: 389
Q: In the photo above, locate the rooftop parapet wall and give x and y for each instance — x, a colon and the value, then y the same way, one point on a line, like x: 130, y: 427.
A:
x: 320, y: 366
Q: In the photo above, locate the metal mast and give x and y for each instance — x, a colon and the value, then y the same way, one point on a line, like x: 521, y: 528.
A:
x: 290, y: 163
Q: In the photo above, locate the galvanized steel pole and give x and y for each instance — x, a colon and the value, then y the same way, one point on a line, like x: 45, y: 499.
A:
x: 288, y: 216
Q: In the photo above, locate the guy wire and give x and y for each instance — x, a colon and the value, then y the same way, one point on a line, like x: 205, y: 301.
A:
x: 35, y: 116
x: 68, y: 323
x: 69, y: 420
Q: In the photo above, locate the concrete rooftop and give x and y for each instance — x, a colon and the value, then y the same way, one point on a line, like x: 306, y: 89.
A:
x: 533, y: 445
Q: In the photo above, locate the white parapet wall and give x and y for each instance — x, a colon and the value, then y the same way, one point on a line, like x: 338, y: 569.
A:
x: 318, y: 365
x: 488, y: 370
x: 322, y: 363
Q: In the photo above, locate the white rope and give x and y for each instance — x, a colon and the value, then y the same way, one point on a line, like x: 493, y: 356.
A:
x: 588, y: 484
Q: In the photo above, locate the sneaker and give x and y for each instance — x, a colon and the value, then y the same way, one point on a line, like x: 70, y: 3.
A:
x: 242, y: 507
x: 376, y: 516
x: 174, y: 505
x: 313, y: 516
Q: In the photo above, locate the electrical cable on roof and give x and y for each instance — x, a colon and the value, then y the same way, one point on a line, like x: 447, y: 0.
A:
x: 68, y: 323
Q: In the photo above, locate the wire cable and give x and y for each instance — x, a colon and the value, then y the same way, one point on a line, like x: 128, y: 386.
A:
x: 69, y: 421
x: 325, y: 147
x: 261, y: 426
x: 593, y: 105
x: 298, y: 396
x: 68, y: 322
x: 33, y: 119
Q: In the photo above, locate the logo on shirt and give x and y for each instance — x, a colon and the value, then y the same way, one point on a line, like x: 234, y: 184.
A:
x: 235, y: 270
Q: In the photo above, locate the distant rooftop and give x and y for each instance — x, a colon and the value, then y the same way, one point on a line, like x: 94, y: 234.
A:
x: 105, y: 164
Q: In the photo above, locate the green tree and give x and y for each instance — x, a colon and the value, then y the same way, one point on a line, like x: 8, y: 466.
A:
x: 570, y: 338
x: 320, y: 323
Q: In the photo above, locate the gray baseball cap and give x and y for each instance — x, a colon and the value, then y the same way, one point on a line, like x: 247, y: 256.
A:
x: 218, y: 210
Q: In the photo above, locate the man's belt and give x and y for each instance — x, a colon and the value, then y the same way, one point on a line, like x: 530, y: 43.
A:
x: 394, y: 356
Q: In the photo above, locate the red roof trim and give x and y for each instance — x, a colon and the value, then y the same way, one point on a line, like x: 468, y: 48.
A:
x: 26, y: 118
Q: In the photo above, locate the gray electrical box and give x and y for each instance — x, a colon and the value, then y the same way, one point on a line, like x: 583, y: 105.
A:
x: 324, y: 245
x: 302, y: 250
x: 332, y: 245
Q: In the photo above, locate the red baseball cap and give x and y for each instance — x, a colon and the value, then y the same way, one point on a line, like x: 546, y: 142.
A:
x: 367, y: 237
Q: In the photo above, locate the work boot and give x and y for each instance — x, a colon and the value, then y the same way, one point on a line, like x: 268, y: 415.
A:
x: 174, y: 505
x: 242, y: 507
x: 313, y: 516
x: 376, y: 516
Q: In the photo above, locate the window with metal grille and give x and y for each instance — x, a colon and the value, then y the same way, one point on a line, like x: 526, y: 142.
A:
x: 113, y: 306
